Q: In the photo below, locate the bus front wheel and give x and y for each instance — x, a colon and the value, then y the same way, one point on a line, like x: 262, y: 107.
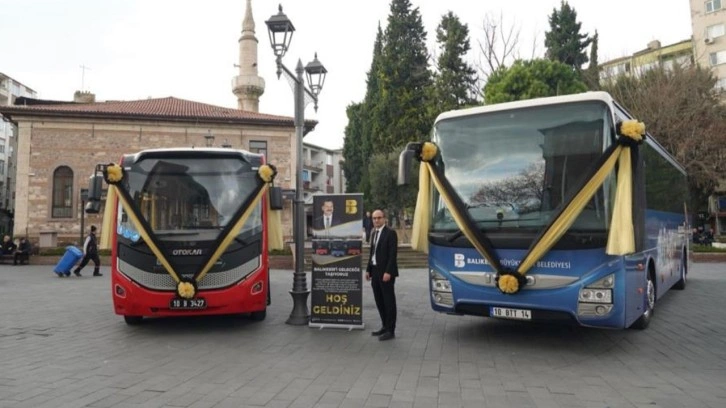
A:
x: 133, y: 320
x: 647, y: 316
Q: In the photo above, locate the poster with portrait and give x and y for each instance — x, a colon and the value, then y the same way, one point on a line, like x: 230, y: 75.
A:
x: 337, y: 278
x: 337, y: 216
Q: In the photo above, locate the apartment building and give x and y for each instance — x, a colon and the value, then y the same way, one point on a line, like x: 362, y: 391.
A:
x: 708, y: 21
x: 678, y: 54
x: 10, y: 89
x: 322, y: 174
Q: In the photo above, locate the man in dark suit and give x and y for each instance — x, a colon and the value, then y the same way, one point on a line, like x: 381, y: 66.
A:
x: 328, y: 220
x: 382, y: 271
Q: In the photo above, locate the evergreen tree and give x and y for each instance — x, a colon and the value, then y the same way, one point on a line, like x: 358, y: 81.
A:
x: 405, y: 81
x: 564, y: 42
x: 353, y: 162
x: 532, y: 79
x: 455, y: 81
x: 361, y: 127
x: 592, y: 74
x: 385, y: 192
x: 371, y: 105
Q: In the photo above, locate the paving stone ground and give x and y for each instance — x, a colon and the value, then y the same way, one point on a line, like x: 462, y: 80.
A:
x: 61, y: 346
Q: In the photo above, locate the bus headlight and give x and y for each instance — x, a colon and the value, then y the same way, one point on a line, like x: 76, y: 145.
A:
x: 606, y: 282
x: 441, y: 289
x: 596, y: 295
x: 596, y: 299
x: 439, y: 283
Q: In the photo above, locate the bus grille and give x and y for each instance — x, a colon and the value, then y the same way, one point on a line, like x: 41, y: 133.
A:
x: 212, y: 280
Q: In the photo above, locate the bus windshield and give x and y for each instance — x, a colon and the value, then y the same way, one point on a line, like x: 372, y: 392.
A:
x: 190, y: 199
x: 513, y: 168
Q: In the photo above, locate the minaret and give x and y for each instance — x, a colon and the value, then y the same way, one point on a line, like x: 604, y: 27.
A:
x: 248, y: 86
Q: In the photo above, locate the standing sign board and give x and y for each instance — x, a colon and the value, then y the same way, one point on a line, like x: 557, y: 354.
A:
x: 337, y: 279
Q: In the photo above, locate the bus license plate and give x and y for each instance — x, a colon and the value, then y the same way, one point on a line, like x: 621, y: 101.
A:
x: 188, y: 304
x: 506, y: 313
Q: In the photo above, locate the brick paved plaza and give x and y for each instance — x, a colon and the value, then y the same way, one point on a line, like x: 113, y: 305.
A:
x: 62, y: 346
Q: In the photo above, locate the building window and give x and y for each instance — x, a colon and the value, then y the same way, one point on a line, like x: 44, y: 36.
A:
x: 647, y: 67
x: 62, y: 192
x: 259, y: 147
x: 713, y: 5
x: 681, y: 61
x: 717, y: 58
x: 2, y: 167
x: 2, y: 148
x: 715, y: 31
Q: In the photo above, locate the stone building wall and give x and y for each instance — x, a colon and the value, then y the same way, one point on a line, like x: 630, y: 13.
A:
x: 45, y: 144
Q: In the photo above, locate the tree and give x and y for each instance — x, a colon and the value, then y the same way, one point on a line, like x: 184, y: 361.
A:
x: 385, y: 192
x: 404, y: 81
x: 532, y: 79
x: 455, y: 81
x: 591, y: 76
x: 352, y: 148
x: 564, y: 42
x: 361, y: 126
x: 681, y: 108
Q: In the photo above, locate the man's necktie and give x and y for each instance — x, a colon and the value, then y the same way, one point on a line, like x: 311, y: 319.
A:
x: 375, y: 244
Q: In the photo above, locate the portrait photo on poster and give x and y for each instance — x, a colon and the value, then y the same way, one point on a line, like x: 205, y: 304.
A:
x: 337, y: 216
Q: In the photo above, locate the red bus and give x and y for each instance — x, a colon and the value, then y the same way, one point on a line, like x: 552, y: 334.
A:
x: 188, y: 231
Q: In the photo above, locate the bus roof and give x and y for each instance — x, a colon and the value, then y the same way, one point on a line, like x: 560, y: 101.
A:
x: 191, y: 151
x: 551, y: 100
x: 194, y: 149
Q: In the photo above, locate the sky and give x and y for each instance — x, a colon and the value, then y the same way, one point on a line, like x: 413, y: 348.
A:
x: 138, y: 49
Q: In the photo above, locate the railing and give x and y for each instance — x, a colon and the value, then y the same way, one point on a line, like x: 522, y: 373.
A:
x: 314, y: 164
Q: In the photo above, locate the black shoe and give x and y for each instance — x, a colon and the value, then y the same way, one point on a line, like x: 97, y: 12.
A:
x: 98, y: 274
x: 386, y: 336
x: 67, y: 274
x: 378, y: 332
x: 77, y: 273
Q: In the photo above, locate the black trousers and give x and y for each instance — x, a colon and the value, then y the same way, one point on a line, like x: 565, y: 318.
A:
x: 385, y: 295
x: 88, y: 257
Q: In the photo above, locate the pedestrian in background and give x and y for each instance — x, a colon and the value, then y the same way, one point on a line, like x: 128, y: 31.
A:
x: 22, y: 252
x: 8, y: 247
x: 90, y: 252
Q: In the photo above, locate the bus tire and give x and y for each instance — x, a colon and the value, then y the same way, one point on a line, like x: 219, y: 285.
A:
x: 133, y: 320
x: 681, y: 284
x: 650, y: 295
x: 258, y: 316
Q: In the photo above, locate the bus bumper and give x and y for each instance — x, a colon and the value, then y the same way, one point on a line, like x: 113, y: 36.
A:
x: 130, y: 299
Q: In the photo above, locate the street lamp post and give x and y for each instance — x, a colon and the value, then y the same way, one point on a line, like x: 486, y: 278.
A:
x: 280, y: 29
x: 84, y: 198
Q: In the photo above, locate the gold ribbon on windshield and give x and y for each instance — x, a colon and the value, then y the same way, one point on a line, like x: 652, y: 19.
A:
x: 186, y: 288
x: 621, y: 238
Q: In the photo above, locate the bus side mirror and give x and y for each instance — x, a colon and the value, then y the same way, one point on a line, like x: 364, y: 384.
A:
x: 275, y: 198
x: 95, y: 189
x: 404, y: 163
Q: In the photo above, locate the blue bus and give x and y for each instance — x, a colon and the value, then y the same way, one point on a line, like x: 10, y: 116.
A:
x: 550, y: 209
